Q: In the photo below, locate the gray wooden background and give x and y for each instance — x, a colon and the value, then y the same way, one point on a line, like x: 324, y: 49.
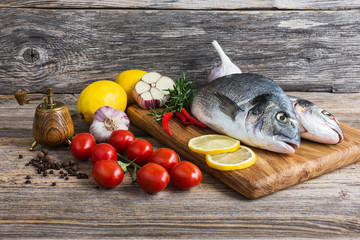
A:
x: 302, y: 45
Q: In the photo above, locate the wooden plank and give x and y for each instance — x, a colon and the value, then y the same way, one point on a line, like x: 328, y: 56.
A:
x: 322, y: 208
x: 300, y: 50
x: 272, y: 171
x: 187, y: 4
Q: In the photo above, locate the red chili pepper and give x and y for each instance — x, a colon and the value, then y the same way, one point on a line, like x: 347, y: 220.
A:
x: 192, y: 119
x: 182, y: 119
x: 165, y: 120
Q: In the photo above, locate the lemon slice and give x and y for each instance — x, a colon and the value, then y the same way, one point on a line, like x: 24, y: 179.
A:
x: 242, y: 158
x: 213, y: 144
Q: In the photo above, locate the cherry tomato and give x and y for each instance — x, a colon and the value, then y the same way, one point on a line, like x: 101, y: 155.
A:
x: 141, y: 150
x: 103, y: 151
x: 81, y: 146
x: 185, y: 175
x: 166, y: 157
x: 107, y: 173
x: 153, y: 178
x: 120, y: 140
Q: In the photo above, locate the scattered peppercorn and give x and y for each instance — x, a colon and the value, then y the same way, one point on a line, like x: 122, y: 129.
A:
x: 21, y: 156
x: 45, y: 151
x: 44, y: 164
x: 27, y: 182
x: 40, y: 155
x: 82, y: 176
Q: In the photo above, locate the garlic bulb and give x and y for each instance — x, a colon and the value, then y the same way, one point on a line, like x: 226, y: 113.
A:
x: 225, y: 68
x: 106, y: 120
x: 152, y: 90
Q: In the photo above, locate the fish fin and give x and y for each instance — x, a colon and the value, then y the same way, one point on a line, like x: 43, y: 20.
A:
x: 260, y: 99
x: 227, y: 106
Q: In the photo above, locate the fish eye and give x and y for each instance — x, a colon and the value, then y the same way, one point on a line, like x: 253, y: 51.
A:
x: 327, y: 113
x: 282, y: 117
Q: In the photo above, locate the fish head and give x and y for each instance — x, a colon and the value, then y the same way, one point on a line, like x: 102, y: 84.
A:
x: 274, y: 126
x: 317, y: 124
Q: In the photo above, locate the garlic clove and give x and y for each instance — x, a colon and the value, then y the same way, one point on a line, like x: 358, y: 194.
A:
x: 165, y: 83
x: 226, y: 67
x: 151, y: 77
x: 146, y: 100
x: 142, y: 87
x: 152, y: 90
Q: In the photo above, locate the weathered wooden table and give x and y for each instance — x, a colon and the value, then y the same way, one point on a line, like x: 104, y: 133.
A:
x: 309, y: 49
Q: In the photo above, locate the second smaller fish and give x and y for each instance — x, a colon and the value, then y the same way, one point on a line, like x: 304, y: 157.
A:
x: 315, y: 123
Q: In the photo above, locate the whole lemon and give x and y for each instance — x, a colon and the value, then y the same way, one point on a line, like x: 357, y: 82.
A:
x: 99, y: 94
x: 127, y: 80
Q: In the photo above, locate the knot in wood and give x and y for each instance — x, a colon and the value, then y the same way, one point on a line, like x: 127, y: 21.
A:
x: 31, y: 55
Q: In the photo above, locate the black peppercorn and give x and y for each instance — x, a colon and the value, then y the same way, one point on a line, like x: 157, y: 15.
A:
x: 40, y: 155
x: 45, y: 151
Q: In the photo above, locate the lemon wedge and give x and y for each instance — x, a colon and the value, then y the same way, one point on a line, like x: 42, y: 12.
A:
x: 242, y: 158
x: 213, y: 144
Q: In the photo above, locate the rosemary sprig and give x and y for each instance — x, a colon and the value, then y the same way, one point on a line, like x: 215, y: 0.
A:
x: 180, y: 97
x: 157, y: 115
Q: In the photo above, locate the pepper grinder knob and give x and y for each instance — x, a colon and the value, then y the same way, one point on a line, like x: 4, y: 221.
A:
x: 20, y: 96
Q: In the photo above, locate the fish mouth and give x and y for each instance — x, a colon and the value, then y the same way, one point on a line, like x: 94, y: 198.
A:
x: 287, y: 145
x: 330, y: 135
x: 339, y: 133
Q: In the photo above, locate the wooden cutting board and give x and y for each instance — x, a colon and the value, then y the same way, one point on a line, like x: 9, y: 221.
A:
x: 272, y: 171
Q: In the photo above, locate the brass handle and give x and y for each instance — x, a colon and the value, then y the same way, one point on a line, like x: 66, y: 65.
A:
x: 20, y: 96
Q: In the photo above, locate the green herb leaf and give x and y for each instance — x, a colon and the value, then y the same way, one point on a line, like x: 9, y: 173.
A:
x: 180, y: 97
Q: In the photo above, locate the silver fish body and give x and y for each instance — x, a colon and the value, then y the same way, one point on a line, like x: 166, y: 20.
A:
x: 316, y: 124
x: 251, y: 108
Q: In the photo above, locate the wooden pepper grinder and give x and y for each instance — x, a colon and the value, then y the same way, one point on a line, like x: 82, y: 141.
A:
x: 52, y: 125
